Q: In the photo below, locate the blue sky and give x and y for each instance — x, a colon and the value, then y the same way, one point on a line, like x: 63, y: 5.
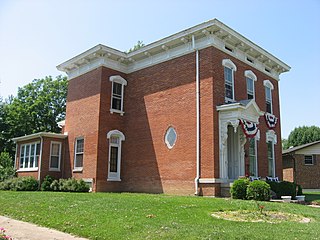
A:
x: 37, y: 35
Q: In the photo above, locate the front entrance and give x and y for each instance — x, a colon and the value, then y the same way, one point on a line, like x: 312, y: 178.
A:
x: 233, y: 153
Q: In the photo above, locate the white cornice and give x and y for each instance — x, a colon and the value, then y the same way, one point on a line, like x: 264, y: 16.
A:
x: 211, y: 33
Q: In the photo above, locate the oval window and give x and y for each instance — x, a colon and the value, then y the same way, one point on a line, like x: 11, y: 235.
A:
x: 170, y: 137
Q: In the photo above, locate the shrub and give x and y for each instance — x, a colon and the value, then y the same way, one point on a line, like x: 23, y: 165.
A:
x: 283, y: 188
x: 69, y: 185
x: 55, y: 185
x: 20, y: 184
x: 45, y: 186
x: 258, y: 190
x: 239, y: 188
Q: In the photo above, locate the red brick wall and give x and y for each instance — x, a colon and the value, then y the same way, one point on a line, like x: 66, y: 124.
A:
x: 156, y: 98
x: 287, y: 168
x: 82, y: 120
x: 241, y: 94
x: 308, y: 176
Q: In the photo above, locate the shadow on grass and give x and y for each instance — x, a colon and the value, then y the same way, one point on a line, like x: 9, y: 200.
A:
x: 312, y: 196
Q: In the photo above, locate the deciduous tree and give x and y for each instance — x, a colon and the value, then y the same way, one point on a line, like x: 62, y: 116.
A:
x: 302, y: 135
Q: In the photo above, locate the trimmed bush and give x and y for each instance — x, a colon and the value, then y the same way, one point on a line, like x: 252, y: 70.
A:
x: 20, y: 184
x: 283, y: 188
x: 258, y: 190
x: 69, y: 185
x: 239, y: 188
x: 45, y: 186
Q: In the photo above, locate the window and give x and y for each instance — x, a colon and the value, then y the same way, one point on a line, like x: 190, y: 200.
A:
x: 250, y: 79
x: 271, y: 139
x: 228, y: 48
x: 268, y: 87
x: 271, y: 167
x: 170, y: 137
x: 229, y: 68
x: 114, y: 162
x: 78, y: 156
x: 308, y: 160
x: 268, y: 100
x: 117, y: 94
x: 250, y: 88
x: 253, y: 168
x: 250, y: 60
x: 29, y: 155
x: 55, y: 156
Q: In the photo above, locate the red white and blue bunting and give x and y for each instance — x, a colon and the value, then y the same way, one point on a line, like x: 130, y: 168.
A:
x: 250, y: 129
x: 271, y: 120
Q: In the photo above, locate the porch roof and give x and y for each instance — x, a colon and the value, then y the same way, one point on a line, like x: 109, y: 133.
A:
x: 244, y: 109
x: 39, y: 134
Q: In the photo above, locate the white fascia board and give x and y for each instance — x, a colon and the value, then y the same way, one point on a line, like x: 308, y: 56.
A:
x: 36, y: 135
x: 138, y: 59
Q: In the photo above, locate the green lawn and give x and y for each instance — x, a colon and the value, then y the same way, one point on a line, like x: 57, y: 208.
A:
x: 312, y: 196
x: 147, y: 216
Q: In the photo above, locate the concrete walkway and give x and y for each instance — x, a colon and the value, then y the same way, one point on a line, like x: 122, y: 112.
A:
x: 27, y: 231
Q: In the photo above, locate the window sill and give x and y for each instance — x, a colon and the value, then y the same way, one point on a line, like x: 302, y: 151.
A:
x: 114, y: 180
x: 54, y: 170
x: 27, y: 170
x: 229, y: 100
x: 116, y: 111
x: 77, y: 170
x: 308, y: 164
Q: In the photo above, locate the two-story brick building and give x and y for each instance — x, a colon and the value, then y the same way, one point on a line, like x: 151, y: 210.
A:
x: 187, y: 114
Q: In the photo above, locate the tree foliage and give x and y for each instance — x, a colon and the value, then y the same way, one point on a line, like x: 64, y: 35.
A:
x: 6, y: 166
x: 302, y: 135
x: 139, y: 45
x: 37, y: 107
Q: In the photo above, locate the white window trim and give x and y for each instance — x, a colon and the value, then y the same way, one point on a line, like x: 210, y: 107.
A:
x: 165, y: 137
x: 229, y: 64
x: 28, y: 169
x: 121, y: 137
x: 309, y: 164
x: 249, y: 74
x: 77, y: 169
x: 59, y: 162
x: 268, y: 84
x: 272, y: 137
x: 123, y: 82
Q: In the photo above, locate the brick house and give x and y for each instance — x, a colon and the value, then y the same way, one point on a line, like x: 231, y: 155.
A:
x: 301, y: 165
x: 187, y: 114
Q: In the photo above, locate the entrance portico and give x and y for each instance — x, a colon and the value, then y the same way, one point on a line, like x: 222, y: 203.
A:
x: 233, y: 136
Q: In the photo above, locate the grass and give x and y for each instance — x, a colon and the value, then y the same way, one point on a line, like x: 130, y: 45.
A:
x: 147, y: 216
x: 312, y: 197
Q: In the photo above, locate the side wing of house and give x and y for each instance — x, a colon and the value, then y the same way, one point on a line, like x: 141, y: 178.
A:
x: 303, y: 164
x: 40, y: 154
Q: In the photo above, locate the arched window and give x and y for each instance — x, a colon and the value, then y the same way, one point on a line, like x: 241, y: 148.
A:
x: 268, y: 92
x: 250, y: 79
x: 117, y: 94
x: 229, y: 69
x: 114, y: 160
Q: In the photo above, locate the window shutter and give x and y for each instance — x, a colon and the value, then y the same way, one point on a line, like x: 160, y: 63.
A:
x: 314, y: 159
